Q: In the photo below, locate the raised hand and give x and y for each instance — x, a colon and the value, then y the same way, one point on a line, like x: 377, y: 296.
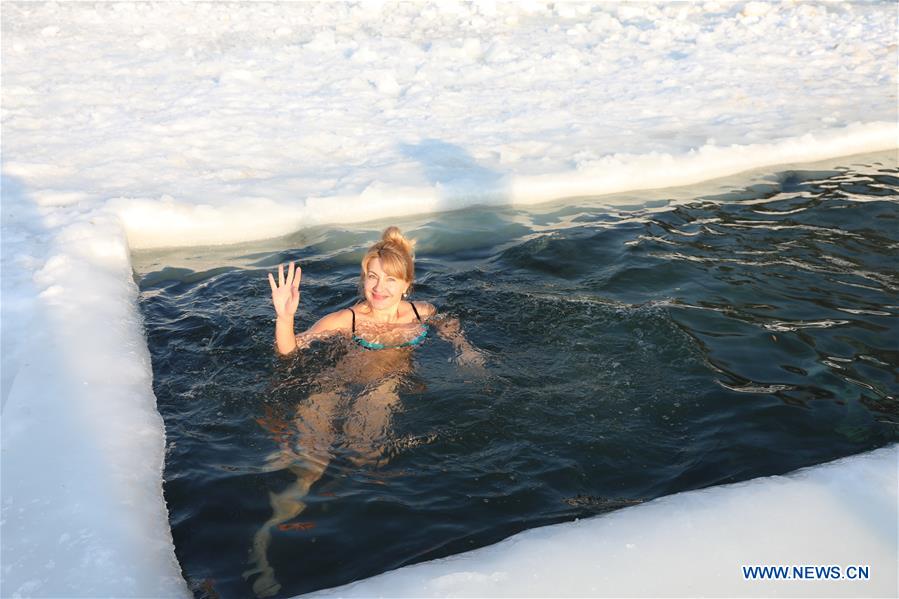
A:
x: 286, y: 293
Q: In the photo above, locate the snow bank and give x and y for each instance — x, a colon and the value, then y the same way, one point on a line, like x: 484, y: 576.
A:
x: 82, y: 442
x: 691, y: 544
x: 170, y: 222
x: 199, y: 123
x: 155, y: 124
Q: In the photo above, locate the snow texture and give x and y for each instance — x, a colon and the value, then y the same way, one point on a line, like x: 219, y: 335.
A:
x: 141, y: 125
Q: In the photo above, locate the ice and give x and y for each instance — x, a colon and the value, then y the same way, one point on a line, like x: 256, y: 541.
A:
x: 139, y: 125
x: 690, y: 544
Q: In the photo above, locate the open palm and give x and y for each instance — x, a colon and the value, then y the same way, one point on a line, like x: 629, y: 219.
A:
x: 286, y: 293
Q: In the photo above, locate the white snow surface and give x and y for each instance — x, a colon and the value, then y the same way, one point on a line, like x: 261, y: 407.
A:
x: 140, y: 125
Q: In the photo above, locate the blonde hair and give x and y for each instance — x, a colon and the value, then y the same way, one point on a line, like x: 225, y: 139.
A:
x: 396, y: 254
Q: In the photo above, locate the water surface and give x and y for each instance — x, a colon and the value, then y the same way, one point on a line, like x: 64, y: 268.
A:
x: 632, y: 351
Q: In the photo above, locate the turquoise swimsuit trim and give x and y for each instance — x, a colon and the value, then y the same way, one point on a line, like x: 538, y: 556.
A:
x: 371, y: 345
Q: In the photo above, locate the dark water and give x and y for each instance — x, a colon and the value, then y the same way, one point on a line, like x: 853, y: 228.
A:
x: 631, y: 353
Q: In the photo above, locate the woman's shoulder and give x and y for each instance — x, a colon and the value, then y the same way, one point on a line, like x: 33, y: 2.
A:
x: 424, y: 309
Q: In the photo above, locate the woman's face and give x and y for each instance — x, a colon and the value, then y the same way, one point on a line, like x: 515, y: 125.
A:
x: 381, y: 289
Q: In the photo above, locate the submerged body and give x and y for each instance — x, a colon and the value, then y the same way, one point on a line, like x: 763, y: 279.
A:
x: 384, y: 330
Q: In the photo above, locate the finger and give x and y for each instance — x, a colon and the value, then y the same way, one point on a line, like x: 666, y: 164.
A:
x: 271, y: 282
x: 296, y: 280
x: 290, y: 273
x: 280, y: 275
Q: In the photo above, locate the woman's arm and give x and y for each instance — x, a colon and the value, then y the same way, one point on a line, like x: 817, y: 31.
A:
x: 450, y: 329
x: 286, y: 300
x: 466, y: 354
x: 330, y: 324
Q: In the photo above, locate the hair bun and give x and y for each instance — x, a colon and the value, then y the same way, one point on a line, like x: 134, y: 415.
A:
x: 394, y: 236
x: 395, y: 254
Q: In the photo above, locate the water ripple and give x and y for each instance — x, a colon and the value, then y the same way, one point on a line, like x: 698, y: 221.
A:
x: 630, y: 354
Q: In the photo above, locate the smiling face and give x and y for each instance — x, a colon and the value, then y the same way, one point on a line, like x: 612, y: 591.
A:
x: 382, y: 289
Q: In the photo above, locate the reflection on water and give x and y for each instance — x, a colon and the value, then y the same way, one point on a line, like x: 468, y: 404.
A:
x: 630, y: 353
x: 359, y: 425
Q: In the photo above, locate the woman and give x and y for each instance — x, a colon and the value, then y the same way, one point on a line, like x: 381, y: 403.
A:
x: 388, y: 270
x: 384, y: 328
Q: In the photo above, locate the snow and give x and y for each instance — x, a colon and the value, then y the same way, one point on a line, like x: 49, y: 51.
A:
x: 141, y: 125
x: 689, y: 544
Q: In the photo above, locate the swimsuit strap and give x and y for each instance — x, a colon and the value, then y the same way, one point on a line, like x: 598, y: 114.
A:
x: 370, y: 345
